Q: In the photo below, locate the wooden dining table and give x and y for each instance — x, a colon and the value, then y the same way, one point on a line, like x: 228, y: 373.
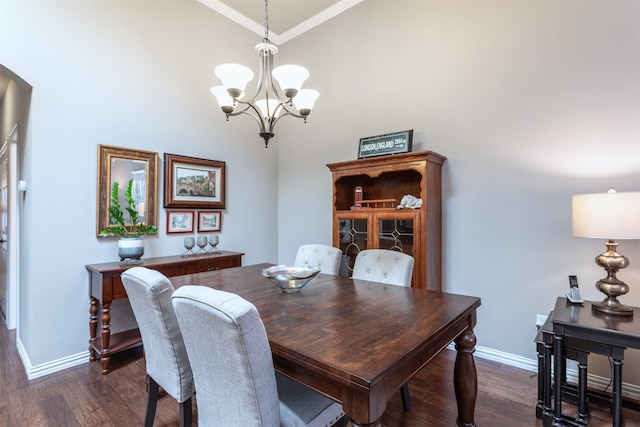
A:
x: 356, y: 341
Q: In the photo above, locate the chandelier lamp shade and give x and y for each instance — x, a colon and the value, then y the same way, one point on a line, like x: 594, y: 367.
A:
x: 611, y: 216
x: 279, y: 91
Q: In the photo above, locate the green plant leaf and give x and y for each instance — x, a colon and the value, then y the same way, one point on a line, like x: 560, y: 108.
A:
x: 131, y: 203
x: 117, y: 226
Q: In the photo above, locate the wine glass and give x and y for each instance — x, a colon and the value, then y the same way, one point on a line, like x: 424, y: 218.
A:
x: 189, y: 243
x: 213, y: 241
x: 202, y: 243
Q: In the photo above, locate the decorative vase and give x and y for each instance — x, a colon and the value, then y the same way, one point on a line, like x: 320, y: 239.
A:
x: 130, y: 249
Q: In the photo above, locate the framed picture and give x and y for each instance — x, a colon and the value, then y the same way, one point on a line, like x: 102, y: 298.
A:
x: 179, y: 222
x: 193, y: 183
x: 209, y: 221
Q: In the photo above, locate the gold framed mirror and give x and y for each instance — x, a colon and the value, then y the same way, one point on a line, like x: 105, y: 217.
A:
x: 123, y: 164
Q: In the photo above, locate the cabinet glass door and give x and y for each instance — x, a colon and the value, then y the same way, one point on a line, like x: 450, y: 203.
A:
x: 353, y: 238
x: 396, y: 235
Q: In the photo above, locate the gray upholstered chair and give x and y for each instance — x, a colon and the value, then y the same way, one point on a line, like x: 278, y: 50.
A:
x: 233, y: 368
x: 326, y: 258
x: 392, y: 268
x: 166, y: 359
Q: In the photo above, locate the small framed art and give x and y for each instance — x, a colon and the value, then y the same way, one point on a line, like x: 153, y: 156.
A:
x: 209, y: 221
x: 179, y: 222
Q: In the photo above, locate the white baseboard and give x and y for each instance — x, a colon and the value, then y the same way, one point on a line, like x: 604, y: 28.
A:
x: 51, y: 367
x: 596, y: 382
x: 506, y: 358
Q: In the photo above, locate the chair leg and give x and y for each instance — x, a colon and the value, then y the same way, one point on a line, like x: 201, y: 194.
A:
x: 406, y: 399
x: 185, y: 413
x: 152, y: 402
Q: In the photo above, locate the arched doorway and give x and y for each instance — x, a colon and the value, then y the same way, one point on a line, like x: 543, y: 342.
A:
x: 15, y: 99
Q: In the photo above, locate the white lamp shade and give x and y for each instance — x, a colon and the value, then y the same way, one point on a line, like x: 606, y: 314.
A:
x: 234, y: 76
x: 223, y: 97
x: 267, y: 108
x: 613, y: 216
x: 290, y: 76
x: 305, y: 99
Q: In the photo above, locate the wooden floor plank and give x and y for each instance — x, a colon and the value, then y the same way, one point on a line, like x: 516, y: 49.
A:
x: 88, y: 412
x: 113, y: 404
x: 24, y: 409
x: 57, y: 412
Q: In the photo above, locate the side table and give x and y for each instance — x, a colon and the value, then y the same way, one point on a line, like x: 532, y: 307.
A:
x: 592, y: 332
x: 105, y: 286
x: 546, y: 389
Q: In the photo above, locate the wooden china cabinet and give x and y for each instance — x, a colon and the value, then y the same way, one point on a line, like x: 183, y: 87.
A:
x: 366, y: 193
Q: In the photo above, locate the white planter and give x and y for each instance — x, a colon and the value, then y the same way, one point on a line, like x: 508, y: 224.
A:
x: 130, y: 249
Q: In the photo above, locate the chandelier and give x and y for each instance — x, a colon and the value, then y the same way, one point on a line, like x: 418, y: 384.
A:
x: 270, y: 101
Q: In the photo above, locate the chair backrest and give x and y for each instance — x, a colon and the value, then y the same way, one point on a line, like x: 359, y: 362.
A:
x: 326, y: 258
x: 166, y: 358
x: 230, y: 357
x: 385, y: 266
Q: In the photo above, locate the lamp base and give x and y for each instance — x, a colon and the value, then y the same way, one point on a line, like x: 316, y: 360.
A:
x: 612, y: 306
x: 611, y: 286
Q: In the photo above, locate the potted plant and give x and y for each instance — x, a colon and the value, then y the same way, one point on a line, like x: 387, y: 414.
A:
x: 130, y: 245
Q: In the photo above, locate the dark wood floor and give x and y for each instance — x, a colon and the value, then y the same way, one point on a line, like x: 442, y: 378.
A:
x: 80, y: 396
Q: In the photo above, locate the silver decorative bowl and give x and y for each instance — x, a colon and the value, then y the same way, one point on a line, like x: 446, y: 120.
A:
x: 289, y: 278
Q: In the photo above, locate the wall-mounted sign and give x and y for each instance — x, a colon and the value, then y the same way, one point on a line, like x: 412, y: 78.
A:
x: 390, y: 143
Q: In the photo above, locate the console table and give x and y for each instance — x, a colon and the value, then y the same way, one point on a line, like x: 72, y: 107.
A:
x: 105, y: 286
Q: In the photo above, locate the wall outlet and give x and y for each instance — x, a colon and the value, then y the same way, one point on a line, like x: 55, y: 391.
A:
x: 540, y: 319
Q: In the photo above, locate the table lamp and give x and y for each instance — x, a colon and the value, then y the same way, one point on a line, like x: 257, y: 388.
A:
x: 612, y: 216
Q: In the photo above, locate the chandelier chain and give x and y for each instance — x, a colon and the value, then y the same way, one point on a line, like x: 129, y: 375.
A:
x: 266, y: 21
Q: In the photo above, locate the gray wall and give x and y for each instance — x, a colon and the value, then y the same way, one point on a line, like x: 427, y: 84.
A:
x: 530, y: 101
x: 522, y: 97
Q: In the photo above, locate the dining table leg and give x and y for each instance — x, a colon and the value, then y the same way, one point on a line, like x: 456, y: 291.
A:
x: 365, y: 410
x: 465, y: 380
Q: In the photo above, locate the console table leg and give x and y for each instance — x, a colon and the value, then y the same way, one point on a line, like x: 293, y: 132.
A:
x: 465, y: 380
x: 617, y: 392
x: 106, y: 336
x: 93, y: 327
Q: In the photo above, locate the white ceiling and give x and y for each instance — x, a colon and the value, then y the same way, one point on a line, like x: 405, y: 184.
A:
x: 287, y: 18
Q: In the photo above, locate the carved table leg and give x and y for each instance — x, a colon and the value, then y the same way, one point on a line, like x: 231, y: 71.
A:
x: 93, y: 327
x: 106, y: 335
x: 465, y: 380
